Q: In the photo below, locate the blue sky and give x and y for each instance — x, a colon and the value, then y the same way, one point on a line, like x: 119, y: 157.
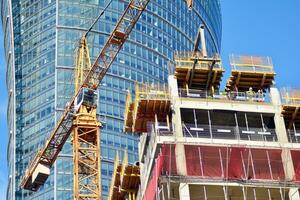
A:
x: 252, y: 27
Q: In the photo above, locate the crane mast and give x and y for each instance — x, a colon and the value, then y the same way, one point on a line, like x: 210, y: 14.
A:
x: 79, y: 115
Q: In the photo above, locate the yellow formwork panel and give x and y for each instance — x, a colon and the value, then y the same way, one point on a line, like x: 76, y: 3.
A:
x: 250, y: 72
x: 125, y: 180
x: 194, y: 68
x: 149, y: 101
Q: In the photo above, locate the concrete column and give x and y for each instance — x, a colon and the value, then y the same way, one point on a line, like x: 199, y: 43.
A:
x: 283, y: 138
x: 184, y: 191
x: 177, y: 126
x: 173, y: 87
x: 279, y: 121
x: 180, y: 160
x: 294, y: 194
x: 287, y: 164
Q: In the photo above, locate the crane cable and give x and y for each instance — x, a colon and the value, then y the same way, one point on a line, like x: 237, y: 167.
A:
x: 96, y: 20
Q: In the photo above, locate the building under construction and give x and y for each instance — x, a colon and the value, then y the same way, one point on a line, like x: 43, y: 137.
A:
x: 197, y: 142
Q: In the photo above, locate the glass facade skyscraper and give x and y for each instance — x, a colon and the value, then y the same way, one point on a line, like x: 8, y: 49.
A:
x: 40, y: 37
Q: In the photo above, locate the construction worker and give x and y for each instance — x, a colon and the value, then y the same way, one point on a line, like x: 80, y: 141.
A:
x: 250, y: 94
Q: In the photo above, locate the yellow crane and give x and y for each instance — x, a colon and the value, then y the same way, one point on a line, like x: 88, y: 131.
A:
x: 79, y: 117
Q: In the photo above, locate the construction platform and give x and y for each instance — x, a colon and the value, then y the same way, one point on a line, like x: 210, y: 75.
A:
x: 125, y: 180
x: 290, y: 107
x: 250, y: 72
x: 197, y: 71
x: 149, y: 102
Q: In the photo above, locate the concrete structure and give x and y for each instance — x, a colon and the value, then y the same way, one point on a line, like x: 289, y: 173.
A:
x: 40, y: 39
x: 201, y: 143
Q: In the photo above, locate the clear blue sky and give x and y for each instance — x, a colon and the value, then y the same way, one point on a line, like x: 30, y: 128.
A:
x: 255, y: 27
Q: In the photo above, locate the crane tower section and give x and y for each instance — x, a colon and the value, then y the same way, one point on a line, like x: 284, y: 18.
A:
x: 83, y: 102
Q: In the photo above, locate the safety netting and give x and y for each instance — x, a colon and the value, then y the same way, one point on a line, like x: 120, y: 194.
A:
x: 165, y: 163
x: 234, y: 163
x: 220, y: 163
x: 296, y: 162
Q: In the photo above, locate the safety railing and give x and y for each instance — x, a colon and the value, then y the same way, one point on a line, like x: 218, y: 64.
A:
x: 155, y: 130
x: 152, y: 92
x: 228, y: 132
x: 189, y: 55
x: 249, y: 96
x: 290, y: 96
x: 293, y: 135
x: 251, y: 63
x: 186, y: 59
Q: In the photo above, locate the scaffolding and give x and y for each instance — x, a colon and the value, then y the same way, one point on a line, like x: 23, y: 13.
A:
x: 229, y: 96
x: 150, y: 102
x: 290, y: 111
x: 239, y: 172
x: 252, y: 72
x: 206, y: 73
x: 125, y: 180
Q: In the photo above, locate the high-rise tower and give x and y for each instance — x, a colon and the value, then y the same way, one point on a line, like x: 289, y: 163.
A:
x: 40, y: 40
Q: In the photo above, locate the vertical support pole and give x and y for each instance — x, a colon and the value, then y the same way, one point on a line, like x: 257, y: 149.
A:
x: 205, y: 195
x: 244, y: 193
x: 225, y: 192
x: 200, y: 158
x: 209, y: 123
x: 253, y: 168
x: 263, y: 126
x: 269, y: 194
x: 269, y: 163
x: 195, y: 121
x: 281, y: 195
x: 184, y: 191
x: 221, y: 162
x: 246, y: 120
x: 203, y: 41
x: 254, y: 193
x: 237, y: 127
x: 244, y: 167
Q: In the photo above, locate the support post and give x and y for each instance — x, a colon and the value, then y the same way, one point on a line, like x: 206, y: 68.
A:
x: 184, y: 191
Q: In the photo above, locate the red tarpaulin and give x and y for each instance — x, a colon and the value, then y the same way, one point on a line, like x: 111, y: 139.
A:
x: 296, y: 162
x: 234, y: 163
x: 165, y: 163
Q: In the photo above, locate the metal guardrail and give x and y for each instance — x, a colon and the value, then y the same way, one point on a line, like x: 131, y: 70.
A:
x: 188, y: 55
x: 290, y: 96
x: 293, y: 135
x: 251, y: 63
x: 226, y: 96
x: 186, y: 59
x: 228, y: 132
x: 201, y: 65
x: 155, y: 130
x: 152, y: 92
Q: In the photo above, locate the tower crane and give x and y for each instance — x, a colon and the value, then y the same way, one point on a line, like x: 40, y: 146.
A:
x: 79, y: 116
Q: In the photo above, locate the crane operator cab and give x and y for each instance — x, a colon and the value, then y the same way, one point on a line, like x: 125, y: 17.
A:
x: 86, y: 97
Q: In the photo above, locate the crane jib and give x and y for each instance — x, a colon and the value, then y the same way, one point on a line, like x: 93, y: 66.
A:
x: 39, y: 169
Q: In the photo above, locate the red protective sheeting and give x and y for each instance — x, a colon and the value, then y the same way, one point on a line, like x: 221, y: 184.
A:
x: 165, y: 163
x: 169, y: 164
x: 152, y: 186
x: 192, y: 155
x: 276, y: 164
x: 234, y: 163
x: 296, y: 162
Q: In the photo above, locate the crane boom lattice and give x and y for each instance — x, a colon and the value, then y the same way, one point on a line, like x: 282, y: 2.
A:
x: 39, y: 169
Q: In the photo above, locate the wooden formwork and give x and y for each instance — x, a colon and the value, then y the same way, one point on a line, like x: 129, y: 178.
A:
x: 149, y: 102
